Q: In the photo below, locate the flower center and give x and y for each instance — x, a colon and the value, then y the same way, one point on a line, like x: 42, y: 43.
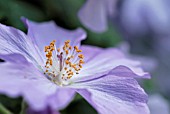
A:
x: 62, y: 63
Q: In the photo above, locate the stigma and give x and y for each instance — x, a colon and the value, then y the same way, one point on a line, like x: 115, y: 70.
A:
x: 62, y: 63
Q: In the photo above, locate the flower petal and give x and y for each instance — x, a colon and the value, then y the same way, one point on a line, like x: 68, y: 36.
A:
x: 20, y: 78
x: 90, y: 51
x: 15, y: 41
x: 108, y: 61
x: 111, y: 6
x: 61, y: 98
x: 43, y: 33
x: 94, y: 15
x: 114, y: 95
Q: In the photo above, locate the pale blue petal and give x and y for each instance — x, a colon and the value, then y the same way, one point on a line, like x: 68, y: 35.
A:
x: 114, y: 95
x: 43, y: 33
x: 93, y: 15
x: 99, y: 62
x: 15, y: 41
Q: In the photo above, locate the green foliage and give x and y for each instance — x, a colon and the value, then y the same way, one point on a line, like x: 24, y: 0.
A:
x: 12, y: 10
x: 10, y: 104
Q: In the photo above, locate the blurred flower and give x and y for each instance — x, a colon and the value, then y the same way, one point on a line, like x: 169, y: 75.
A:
x: 136, y: 17
x: 146, y: 24
x: 141, y: 17
x: 148, y: 63
x: 94, y: 14
x: 158, y: 105
x: 50, y: 77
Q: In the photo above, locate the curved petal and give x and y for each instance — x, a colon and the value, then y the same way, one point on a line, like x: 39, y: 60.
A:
x: 20, y: 78
x: 114, y: 95
x: 94, y: 15
x: 43, y: 33
x: 15, y: 41
x: 108, y: 61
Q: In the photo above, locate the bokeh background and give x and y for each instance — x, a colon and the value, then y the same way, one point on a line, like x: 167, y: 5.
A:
x: 139, y: 28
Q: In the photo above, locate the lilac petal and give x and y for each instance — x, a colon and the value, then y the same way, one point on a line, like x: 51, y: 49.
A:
x: 61, y: 98
x: 108, y: 61
x: 114, y: 95
x: 15, y: 41
x: 90, y: 51
x: 43, y: 33
x: 124, y: 71
x: 14, y: 58
x: 94, y: 15
x: 20, y: 78
x: 111, y: 6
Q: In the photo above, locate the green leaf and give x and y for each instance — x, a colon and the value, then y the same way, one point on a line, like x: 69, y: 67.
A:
x: 23, y: 107
x: 4, y: 110
x: 12, y: 10
x: 14, y: 105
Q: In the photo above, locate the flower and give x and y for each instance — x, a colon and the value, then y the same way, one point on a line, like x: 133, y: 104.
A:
x: 148, y: 63
x: 158, y: 104
x: 142, y: 17
x: 48, y: 65
x: 133, y: 17
x: 94, y: 14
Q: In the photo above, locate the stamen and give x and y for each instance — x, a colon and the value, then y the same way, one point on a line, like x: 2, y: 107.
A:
x: 61, y: 63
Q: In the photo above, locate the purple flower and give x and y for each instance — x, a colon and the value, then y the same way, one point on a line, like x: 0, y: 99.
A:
x: 94, y: 14
x: 145, y: 16
x: 158, y: 104
x: 148, y: 63
x: 134, y: 17
x: 47, y: 73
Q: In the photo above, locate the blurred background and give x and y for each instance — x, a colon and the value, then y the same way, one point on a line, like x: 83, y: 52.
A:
x: 140, y: 28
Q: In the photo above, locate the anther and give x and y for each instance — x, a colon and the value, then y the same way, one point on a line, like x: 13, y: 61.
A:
x: 81, y: 61
x: 67, y: 52
x: 81, y: 56
x: 67, y: 62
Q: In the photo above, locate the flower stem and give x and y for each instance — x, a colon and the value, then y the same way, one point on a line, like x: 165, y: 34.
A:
x: 23, y: 107
x: 3, y: 110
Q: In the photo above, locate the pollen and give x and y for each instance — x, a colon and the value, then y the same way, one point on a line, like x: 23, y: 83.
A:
x: 81, y: 56
x: 64, y: 62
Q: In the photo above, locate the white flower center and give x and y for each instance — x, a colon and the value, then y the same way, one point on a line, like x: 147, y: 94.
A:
x: 62, y: 63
